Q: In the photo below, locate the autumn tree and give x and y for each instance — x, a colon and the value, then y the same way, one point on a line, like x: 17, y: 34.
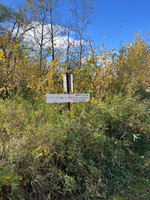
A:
x: 133, y: 66
x: 45, y: 16
x: 37, y: 36
x: 16, y: 25
x: 13, y: 52
x: 83, y: 12
x: 126, y: 72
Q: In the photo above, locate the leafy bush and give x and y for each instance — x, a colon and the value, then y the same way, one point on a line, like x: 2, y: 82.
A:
x: 93, y: 152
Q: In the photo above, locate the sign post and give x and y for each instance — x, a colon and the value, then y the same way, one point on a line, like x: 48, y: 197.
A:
x: 68, y: 84
x: 68, y: 88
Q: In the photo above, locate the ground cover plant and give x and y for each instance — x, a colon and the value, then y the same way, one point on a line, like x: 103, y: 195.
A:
x: 92, y: 152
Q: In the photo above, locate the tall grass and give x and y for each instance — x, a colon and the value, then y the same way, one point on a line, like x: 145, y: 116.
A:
x: 93, y: 152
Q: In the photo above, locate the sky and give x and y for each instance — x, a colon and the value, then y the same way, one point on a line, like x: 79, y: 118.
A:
x: 120, y: 20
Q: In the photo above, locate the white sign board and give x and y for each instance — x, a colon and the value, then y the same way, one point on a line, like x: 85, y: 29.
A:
x: 64, y: 98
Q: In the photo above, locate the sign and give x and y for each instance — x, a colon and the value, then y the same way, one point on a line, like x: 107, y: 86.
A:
x: 68, y: 82
x: 71, y: 83
x: 65, y: 82
x: 64, y: 98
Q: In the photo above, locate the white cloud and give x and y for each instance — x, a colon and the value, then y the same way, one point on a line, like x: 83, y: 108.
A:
x: 33, y: 37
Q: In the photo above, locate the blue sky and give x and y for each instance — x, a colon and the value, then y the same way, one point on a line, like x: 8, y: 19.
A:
x: 120, y: 20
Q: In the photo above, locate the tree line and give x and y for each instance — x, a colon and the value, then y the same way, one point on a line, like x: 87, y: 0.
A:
x: 37, y: 45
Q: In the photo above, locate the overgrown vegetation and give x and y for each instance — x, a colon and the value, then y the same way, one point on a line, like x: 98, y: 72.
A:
x: 98, y: 150
x: 93, y: 152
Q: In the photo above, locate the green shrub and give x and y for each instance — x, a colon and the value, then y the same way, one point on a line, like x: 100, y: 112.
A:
x: 93, y: 152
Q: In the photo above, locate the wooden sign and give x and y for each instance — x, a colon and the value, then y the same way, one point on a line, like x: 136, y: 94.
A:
x: 65, y: 98
x: 68, y: 83
x: 65, y: 82
x: 71, y: 83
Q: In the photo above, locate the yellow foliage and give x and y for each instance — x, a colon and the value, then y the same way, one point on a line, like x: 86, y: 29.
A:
x: 103, y: 73
x: 128, y: 72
